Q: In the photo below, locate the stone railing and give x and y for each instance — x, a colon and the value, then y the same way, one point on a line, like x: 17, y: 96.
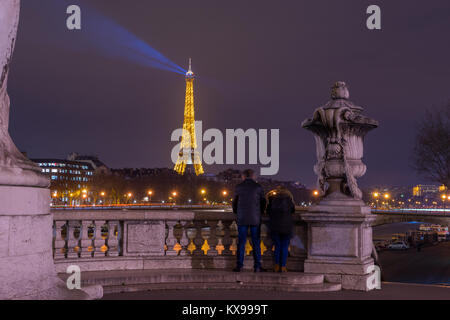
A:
x: 100, y: 240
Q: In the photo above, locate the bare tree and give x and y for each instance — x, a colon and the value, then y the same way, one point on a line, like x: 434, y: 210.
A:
x: 431, y: 156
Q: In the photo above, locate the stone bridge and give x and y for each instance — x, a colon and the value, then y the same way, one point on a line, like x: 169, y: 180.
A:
x: 408, y: 215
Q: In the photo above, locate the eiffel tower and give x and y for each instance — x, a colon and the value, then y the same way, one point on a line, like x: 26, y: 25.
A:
x: 188, y: 150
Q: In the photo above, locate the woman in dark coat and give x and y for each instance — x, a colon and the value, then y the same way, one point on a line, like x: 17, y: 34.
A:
x: 280, y: 209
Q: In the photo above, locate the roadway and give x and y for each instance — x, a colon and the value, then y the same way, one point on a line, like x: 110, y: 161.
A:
x: 429, y: 266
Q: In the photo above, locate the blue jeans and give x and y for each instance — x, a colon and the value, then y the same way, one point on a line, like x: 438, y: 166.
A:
x: 281, y: 242
x: 242, y: 240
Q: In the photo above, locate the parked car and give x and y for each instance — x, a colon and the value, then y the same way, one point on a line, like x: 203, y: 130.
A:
x: 399, y: 245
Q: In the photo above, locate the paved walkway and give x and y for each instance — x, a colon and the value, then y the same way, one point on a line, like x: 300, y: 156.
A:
x: 389, y: 291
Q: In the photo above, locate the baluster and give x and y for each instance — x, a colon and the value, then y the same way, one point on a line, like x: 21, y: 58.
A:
x: 184, y: 240
x: 120, y: 237
x: 220, y: 233
x: 234, y: 237
x: 72, y: 240
x: 266, y: 241
x: 191, y: 233
x: 166, y: 234
x: 227, y: 240
x: 86, y: 242
x: 113, y: 239
x: 171, y: 241
x: 99, y: 241
x: 206, y: 235
x: 60, y: 240
x: 198, y: 240
x: 248, y: 246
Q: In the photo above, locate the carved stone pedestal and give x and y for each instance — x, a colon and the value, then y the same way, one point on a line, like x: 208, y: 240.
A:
x: 340, y: 242
x: 26, y: 263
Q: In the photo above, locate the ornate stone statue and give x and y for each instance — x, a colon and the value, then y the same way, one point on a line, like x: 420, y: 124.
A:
x: 339, y: 129
x: 339, y: 226
x: 27, y: 270
x: 15, y: 168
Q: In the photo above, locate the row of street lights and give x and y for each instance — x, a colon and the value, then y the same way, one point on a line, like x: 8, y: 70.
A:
x: 129, y: 195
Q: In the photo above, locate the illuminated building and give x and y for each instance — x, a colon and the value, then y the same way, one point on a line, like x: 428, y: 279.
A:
x: 422, y: 190
x: 76, y: 170
x: 65, y: 170
x: 188, y: 149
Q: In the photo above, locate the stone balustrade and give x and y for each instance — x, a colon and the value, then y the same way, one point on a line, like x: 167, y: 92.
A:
x: 100, y: 240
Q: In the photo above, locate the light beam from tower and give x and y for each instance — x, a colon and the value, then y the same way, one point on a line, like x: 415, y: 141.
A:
x: 188, y: 149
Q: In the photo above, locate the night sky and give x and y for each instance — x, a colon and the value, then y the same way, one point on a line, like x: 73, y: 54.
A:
x: 261, y: 64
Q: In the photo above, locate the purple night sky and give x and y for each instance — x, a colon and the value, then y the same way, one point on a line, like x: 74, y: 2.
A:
x: 261, y: 64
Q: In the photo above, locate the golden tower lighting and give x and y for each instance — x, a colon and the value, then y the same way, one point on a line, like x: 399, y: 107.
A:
x: 188, y: 150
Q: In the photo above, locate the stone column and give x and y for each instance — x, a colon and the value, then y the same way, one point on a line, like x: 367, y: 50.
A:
x: 26, y: 262
x: 339, y: 226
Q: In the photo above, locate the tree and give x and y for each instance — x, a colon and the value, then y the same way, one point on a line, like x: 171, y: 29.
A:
x: 431, y: 156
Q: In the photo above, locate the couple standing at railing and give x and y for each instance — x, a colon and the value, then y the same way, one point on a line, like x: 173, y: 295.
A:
x: 249, y: 204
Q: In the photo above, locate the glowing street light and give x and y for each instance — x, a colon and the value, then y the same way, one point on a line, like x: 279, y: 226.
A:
x: 225, y: 193
x: 174, y: 193
x: 203, y: 191
x: 129, y: 195
x: 376, y: 194
x: 102, y: 194
x: 387, y: 195
x: 150, y: 193
x: 316, y: 193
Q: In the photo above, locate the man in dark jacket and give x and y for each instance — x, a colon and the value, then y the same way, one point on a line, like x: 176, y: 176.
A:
x: 249, y: 204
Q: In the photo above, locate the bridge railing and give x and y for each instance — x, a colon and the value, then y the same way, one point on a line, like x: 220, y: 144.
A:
x: 151, y: 239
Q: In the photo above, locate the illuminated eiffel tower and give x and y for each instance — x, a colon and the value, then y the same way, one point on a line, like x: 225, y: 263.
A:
x: 188, y: 150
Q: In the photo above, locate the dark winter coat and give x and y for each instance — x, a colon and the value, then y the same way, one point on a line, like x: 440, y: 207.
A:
x: 249, y: 203
x: 280, y: 210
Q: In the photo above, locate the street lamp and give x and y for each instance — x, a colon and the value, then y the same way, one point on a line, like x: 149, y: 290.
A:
x: 376, y: 195
x: 443, y: 200
x: 174, y: 195
x: 225, y: 194
x: 102, y: 194
x: 315, y: 194
x: 203, y: 193
x: 387, y: 196
x: 150, y: 193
